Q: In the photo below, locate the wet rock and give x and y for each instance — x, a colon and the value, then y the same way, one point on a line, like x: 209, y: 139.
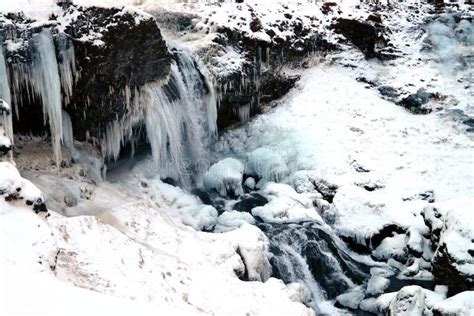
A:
x: 416, y: 103
x: 249, y: 202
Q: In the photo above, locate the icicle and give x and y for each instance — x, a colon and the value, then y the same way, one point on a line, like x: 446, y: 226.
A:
x: 5, y: 118
x: 68, y: 137
x: 67, y: 68
x: 244, y: 113
x: 46, y: 82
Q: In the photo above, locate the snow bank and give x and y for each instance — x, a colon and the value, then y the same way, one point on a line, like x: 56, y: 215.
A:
x: 225, y: 176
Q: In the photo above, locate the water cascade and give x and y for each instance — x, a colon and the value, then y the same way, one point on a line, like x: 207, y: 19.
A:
x: 180, y: 119
x: 310, y: 254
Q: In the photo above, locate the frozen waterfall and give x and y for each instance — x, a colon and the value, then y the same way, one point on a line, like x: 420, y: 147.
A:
x: 180, y: 117
x: 6, y: 118
x: 47, y: 84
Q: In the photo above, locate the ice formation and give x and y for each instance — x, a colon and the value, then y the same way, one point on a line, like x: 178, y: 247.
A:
x: 47, y: 84
x: 225, y: 176
x: 5, y: 97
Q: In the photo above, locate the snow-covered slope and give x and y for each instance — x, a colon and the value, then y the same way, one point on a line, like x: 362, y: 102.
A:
x: 131, y: 256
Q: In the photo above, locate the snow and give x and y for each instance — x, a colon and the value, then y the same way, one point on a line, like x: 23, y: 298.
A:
x: 424, y: 152
x: 460, y: 304
x: 124, y: 254
x: 391, y: 247
x: 225, y: 177
x: 4, y: 139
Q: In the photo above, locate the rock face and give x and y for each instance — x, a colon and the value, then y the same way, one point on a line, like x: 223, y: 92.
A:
x: 103, y: 55
x: 131, y: 54
x: 365, y: 36
x: 453, y: 262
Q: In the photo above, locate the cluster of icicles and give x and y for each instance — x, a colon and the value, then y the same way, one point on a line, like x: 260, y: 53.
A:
x: 179, y: 114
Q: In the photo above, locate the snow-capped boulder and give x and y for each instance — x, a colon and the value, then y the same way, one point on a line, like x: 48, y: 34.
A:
x: 10, y: 180
x: 5, y: 142
x: 225, y: 177
x: 15, y: 188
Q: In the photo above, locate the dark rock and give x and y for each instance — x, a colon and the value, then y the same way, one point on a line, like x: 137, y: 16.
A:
x: 469, y: 122
x: 425, y: 196
x: 249, y: 202
x: 375, y: 17
x: 366, y: 246
x: 415, y: 102
x: 255, y: 24
x: 389, y: 92
x: 132, y: 55
x: 364, y: 36
x: 328, y: 7
x: 211, y: 198
x: 445, y: 272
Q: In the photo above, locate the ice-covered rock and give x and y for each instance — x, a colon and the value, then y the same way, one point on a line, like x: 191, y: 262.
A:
x: 250, y: 183
x: 392, y: 247
x: 226, y: 177
x: 253, y: 246
x: 285, y: 205
x: 351, y: 299
x: 231, y: 220
x: 377, y: 285
x: 298, y: 292
x: 309, y: 181
x: 266, y: 163
x: 409, y: 301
